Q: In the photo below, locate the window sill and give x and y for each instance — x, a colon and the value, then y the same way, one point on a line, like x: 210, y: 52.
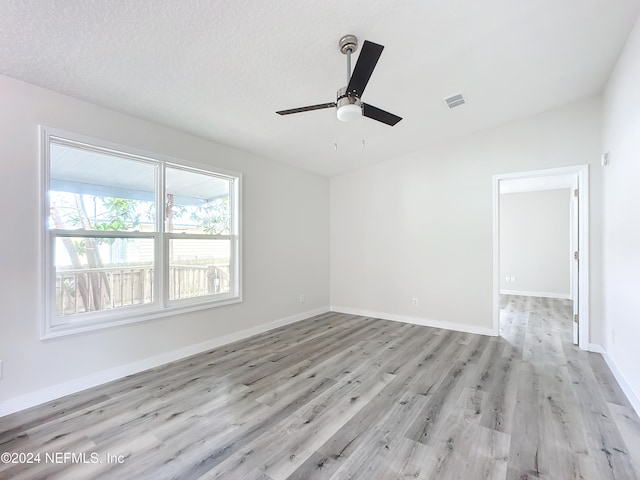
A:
x: 130, y: 317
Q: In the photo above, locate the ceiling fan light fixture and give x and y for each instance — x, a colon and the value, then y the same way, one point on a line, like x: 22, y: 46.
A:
x: 349, y: 112
x: 348, y: 107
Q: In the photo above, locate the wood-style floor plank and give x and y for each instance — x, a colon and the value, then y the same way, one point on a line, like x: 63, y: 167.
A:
x: 345, y: 397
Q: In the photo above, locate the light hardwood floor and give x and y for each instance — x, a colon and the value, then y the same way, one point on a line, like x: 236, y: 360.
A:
x: 340, y: 396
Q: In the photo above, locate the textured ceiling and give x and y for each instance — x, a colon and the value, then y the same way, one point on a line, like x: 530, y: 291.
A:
x: 220, y: 69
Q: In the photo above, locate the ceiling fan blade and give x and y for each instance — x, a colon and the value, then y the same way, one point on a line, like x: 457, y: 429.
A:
x: 320, y: 106
x: 367, y: 61
x: 380, y: 115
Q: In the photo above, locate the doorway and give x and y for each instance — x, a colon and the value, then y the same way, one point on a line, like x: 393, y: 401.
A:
x: 572, y: 181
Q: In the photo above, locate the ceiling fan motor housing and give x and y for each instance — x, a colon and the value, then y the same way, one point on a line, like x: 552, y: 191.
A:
x: 347, y: 107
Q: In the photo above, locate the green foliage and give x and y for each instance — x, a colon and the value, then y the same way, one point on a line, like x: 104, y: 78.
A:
x: 213, y: 217
x: 80, y: 247
x: 121, y: 214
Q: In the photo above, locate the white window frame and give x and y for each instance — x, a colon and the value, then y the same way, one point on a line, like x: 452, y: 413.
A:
x: 51, y: 326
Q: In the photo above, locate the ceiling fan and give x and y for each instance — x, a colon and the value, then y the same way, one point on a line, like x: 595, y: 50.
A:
x: 348, y: 104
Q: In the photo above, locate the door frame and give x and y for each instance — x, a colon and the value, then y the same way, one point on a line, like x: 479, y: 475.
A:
x: 582, y: 173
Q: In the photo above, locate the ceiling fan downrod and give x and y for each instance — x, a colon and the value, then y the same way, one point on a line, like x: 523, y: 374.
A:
x: 348, y: 45
x: 348, y: 107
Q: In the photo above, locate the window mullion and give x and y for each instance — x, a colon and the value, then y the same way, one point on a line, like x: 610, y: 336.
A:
x: 197, y: 236
x: 161, y: 270
x: 101, y: 233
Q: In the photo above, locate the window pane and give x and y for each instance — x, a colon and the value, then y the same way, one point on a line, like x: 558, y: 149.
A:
x: 94, y: 274
x: 98, y: 191
x: 198, y: 267
x: 198, y: 203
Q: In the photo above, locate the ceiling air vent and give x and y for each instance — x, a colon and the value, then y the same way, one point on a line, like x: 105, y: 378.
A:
x: 455, y: 100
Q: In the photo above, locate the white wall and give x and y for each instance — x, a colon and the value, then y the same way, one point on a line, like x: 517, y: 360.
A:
x: 535, y: 243
x: 421, y: 225
x: 286, y: 247
x: 621, y: 137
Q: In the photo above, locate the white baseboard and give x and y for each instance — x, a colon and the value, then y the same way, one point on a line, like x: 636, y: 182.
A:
x: 632, y: 396
x: 39, y: 397
x: 595, y: 348
x: 425, y: 322
x: 562, y: 296
x: 634, y: 399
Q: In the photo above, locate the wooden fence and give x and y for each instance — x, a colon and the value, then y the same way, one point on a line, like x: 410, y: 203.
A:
x: 88, y: 290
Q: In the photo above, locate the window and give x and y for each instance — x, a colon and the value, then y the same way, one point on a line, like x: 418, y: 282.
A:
x: 131, y: 236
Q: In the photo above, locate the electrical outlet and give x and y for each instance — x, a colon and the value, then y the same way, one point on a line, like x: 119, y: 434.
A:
x: 513, y: 279
x: 414, y: 302
x: 301, y: 298
x: 507, y: 279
